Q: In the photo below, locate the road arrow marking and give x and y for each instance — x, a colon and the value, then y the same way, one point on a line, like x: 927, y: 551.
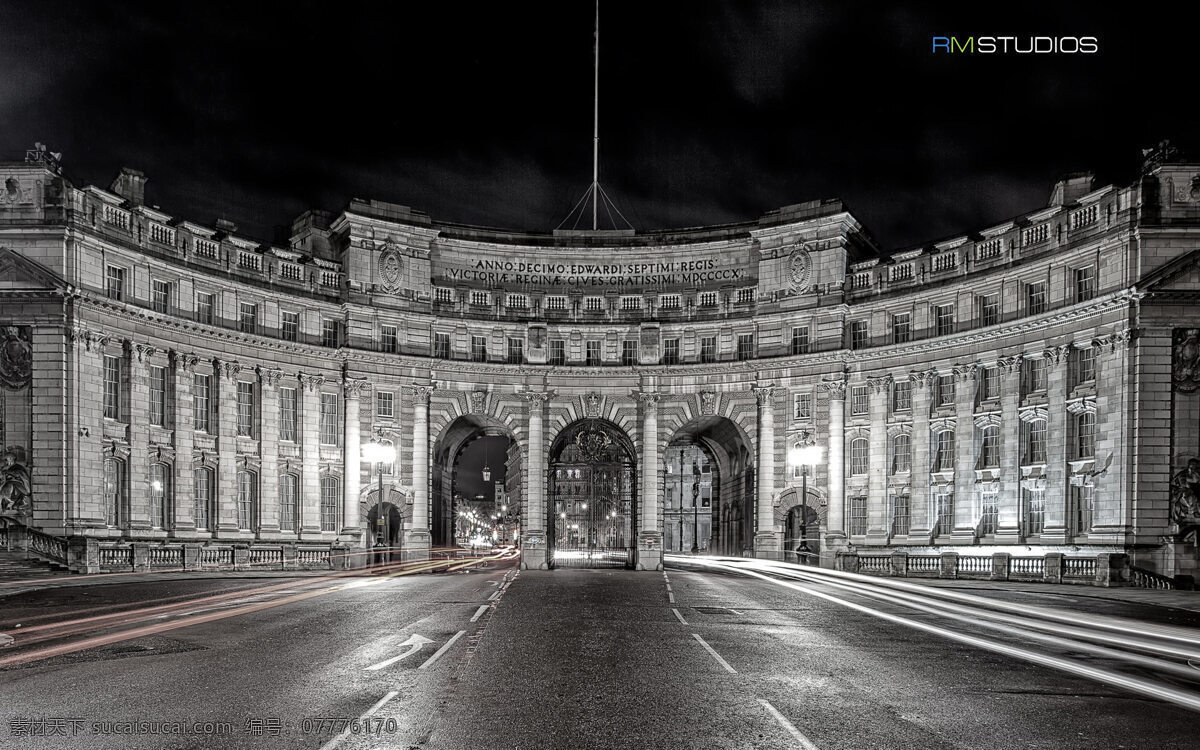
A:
x: 442, y: 650
x: 415, y: 643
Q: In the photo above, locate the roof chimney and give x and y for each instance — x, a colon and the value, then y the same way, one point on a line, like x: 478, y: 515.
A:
x: 1070, y: 188
x: 130, y: 185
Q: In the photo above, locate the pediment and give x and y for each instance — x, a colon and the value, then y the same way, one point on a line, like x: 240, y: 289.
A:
x: 18, y: 272
x: 1180, y: 275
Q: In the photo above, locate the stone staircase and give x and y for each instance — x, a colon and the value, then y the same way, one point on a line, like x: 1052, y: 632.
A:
x: 14, y: 566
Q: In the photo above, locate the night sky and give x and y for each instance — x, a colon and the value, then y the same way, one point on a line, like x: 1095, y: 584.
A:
x: 482, y: 113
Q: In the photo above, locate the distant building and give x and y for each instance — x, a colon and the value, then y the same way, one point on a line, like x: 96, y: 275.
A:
x: 1031, y: 387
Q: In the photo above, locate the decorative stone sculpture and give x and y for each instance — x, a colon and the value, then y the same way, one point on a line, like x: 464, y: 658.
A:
x: 16, y: 358
x: 1186, y: 368
x: 14, y: 482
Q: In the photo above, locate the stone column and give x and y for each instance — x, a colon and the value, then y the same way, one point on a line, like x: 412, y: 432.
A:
x: 835, y: 528
x: 966, y: 512
x: 878, y: 522
x: 182, y: 513
x: 650, y: 535
x: 417, y: 535
x: 1110, y: 520
x: 1056, y: 445
x: 137, y: 471
x: 352, y: 460
x: 268, y: 442
x: 920, y: 504
x: 1008, y: 524
x: 768, y: 542
x: 310, y: 453
x: 533, y: 511
x: 88, y: 507
x: 53, y: 429
x: 225, y: 523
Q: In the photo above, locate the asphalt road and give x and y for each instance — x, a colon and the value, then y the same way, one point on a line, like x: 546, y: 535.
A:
x: 563, y: 659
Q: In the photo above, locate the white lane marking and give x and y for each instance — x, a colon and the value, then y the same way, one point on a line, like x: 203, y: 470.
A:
x: 479, y: 612
x: 679, y: 616
x: 736, y: 612
x: 370, y: 712
x: 442, y: 650
x: 415, y: 643
x: 5, y: 640
x: 671, y: 597
x: 714, y: 653
x: 805, y: 742
x: 496, y: 594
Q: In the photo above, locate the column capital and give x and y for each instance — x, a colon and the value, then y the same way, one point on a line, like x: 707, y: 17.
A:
x: 270, y: 376
x: 879, y: 383
x: 187, y: 361
x: 1056, y: 355
x: 1116, y: 341
x: 1010, y: 364
x: 144, y: 352
x: 835, y: 388
x: 230, y: 368
x: 421, y: 392
x: 310, y: 381
x: 647, y: 398
x: 536, y: 399
x: 965, y: 372
x: 763, y: 392
x: 354, y: 387
x: 923, y: 378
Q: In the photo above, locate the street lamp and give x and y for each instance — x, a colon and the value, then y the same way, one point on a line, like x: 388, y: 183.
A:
x: 801, y: 457
x: 379, y: 453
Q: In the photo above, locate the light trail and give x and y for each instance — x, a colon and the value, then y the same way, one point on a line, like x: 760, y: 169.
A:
x: 1186, y: 699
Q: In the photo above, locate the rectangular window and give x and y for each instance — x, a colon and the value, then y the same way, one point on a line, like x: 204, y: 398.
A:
x: 112, y: 387
x: 989, y: 384
x: 802, y: 406
x: 901, y: 454
x: 708, y: 299
x: 1085, y: 284
x: 901, y: 328
x: 206, y: 308
x: 1083, y: 500
x: 479, y: 299
x: 945, y: 390
x: 158, y: 396
x: 1085, y: 365
x: 478, y: 349
x: 943, y: 320
x: 900, y: 515
x: 247, y: 317
x: 245, y: 408
x: 202, y: 402
x: 1035, y: 511
x: 858, y: 334
x: 592, y: 354
x: 1085, y: 435
x: 245, y: 500
x: 202, y: 497
x: 331, y: 333
x: 287, y: 414
x: 389, y: 341
x: 629, y: 353
x: 800, y: 340
x: 441, y: 344
x: 558, y: 352
x: 708, y: 348
x: 328, y: 421
x: 114, y: 283
x: 858, y: 516
x: 160, y: 296
x: 859, y: 458
x: 1035, y: 375
x: 385, y: 404
x: 943, y: 459
x: 989, y: 309
x: 1035, y: 299
x: 330, y: 500
x: 943, y: 507
x: 669, y: 302
x: 1035, y: 442
x: 288, y: 505
x: 289, y: 325
x: 670, y: 352
x: 990, y: 504
x: 159, y: 481
x: 989, y: 447
x: 902, y: 395
x: 556, y: 303
x: 516, y: 351
x: 859, y: 400
x: 745, y: 346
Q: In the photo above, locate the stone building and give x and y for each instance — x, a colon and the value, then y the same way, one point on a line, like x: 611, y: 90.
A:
x: 1031, y: 386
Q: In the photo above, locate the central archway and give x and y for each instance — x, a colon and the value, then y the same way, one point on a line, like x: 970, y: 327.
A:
x: 710, y: 497
x: 593, y: 489
x: 472, y: 510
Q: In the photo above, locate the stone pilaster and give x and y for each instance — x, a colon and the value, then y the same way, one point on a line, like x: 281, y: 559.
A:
x: 1008, y: 522
x: 310, y: 453
x: 53, y: 427
x: 768, y: 542
x: 268, y: 481
x: 650, y: 533
x: 1056, y: 445
x: 966, y: 511
x: 878, y: 522
x: 142, y: 358
x: 225, y: 521
x: 352, y: 459
x: 835, y: 524
x: 533, y: 511
x: 921, y: 512
x: 417, y: 534
x: 1110, y: 519
x: 182, y: 512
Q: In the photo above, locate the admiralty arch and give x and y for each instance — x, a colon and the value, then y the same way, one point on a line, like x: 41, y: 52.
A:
x: 783, y: 388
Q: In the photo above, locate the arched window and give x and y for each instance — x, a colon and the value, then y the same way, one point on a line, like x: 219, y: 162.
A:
x: 160, y: 481
x: 943, y: 459
x: 247, y: 493
x: 288, y: 508
x: 112, y: 491
x: 989, y: 447
x: 202, y: 497
x: 901, y: 454
x: 330, y: 500
x: 1085, y: 434
x: 858, y: 456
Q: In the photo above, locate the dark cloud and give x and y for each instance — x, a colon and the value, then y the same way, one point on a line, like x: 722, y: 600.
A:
x: 481, y: 112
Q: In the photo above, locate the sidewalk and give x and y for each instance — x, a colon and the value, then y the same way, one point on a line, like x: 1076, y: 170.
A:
x: 1188, y: 600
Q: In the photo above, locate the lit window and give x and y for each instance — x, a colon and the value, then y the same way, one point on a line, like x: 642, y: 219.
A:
x: 385, y: 404
x: 331, y: 333
x: 945, y: 390
x: 160, y: 478
x: 1035, y: 374
x: 1083, y: 500
x: 112, y: 491
x: 989, y: 384
x: 802, y: 406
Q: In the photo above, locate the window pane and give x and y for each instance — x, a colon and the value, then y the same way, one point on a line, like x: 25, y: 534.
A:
x: 287, y: 414
x: 329, y: 503
x: 328, y: 421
